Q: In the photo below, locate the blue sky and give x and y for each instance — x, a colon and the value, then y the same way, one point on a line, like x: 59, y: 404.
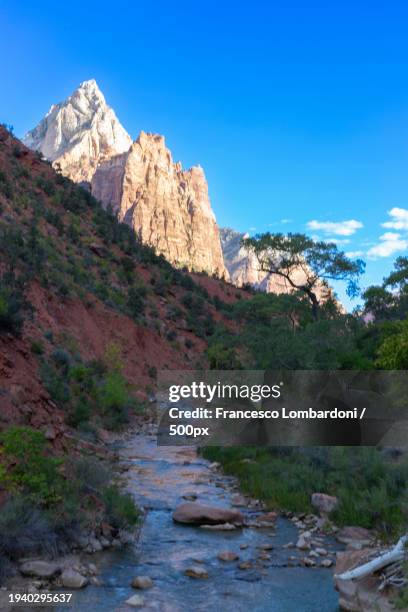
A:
x: 298, y: 111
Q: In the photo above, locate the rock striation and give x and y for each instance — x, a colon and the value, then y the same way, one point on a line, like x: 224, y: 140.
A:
x: 80, y: 132
x: 168, y: 207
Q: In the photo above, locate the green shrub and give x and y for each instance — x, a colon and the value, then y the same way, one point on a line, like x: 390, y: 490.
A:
x: 80, y: 413
x: 27, y: 466
x: 55, y: 383
x: 222, y: 358
x: 171, y: 335
x: 135, y: 300
x: 115, y: 400
x: 42, y: 182
x: 90, y: 474
x: 152, y: 371
x: 24, y: 530
x: 37, y: 347
x: 372, y: 491
x: 12, y: 308
x: 5, y: 186
x: 120, y: 510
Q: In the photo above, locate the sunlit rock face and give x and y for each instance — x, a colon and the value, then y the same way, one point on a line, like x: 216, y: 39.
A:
x: 79, y: 132
x: 168, y: 207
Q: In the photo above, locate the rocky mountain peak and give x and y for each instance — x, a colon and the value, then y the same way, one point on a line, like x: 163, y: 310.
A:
x: 77, y: 133
x: 168, y: 207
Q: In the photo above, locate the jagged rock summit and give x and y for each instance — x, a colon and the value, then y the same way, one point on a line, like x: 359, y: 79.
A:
x: 79, y: 132
x: 168, y: 207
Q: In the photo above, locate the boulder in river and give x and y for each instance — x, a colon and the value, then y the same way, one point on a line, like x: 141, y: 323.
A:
x: 136, y: 601
x: 190, y: 496
x: 228, y: 555
x: 309, y: 562
x: 245, y: 565
x: 220, y: 527
x: 303, y: 542
x: 266, y: 546
x: 40, y: 569
x: 268, y: 517
x: 142, y: 582
x: 70, y: 579
x: 197, y: 514
x: 196, y: 572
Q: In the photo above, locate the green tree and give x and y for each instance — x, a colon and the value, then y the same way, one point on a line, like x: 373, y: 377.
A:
x: 393, y: 352
x: 399, y: 277
x: 378, y: 302
x: 284, y: 255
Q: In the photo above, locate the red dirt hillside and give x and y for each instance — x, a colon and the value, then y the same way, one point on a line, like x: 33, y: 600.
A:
x: 73, y: 284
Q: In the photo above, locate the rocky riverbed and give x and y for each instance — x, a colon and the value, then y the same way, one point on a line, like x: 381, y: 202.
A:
x: 270, y: 563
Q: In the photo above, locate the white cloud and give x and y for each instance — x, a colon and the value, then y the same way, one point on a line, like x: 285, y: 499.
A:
x: 353, y: 254
x: 332, y: 239
x: 285, y: 221
x: 338, y: 241
x: 339, y: 228
x: 390, y: 243
x: 399, y: 219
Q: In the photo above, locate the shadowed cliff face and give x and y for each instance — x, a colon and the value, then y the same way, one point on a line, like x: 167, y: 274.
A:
x: 168, y: 207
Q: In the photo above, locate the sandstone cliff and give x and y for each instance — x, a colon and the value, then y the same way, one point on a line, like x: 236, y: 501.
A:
x: 79, y: 132
x: 168, y: 207
x: 243, y: 267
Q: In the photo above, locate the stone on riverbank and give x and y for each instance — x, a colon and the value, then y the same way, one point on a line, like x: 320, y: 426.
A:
x: 197, y: 514
x: 40, y: 569
x: 324, y: 503
x: 355, y: 537
x: 359, y: 595
x: 70, y: 579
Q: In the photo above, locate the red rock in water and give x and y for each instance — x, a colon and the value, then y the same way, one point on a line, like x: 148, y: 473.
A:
x: 197, y: 514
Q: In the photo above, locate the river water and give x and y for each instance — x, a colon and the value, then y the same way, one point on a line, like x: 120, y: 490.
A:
x: 158, y: 477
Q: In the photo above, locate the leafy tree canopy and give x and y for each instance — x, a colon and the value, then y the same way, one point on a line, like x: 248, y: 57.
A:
x: 321, y: 262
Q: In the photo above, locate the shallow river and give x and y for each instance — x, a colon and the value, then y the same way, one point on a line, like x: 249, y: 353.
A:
x: 158, y: 478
